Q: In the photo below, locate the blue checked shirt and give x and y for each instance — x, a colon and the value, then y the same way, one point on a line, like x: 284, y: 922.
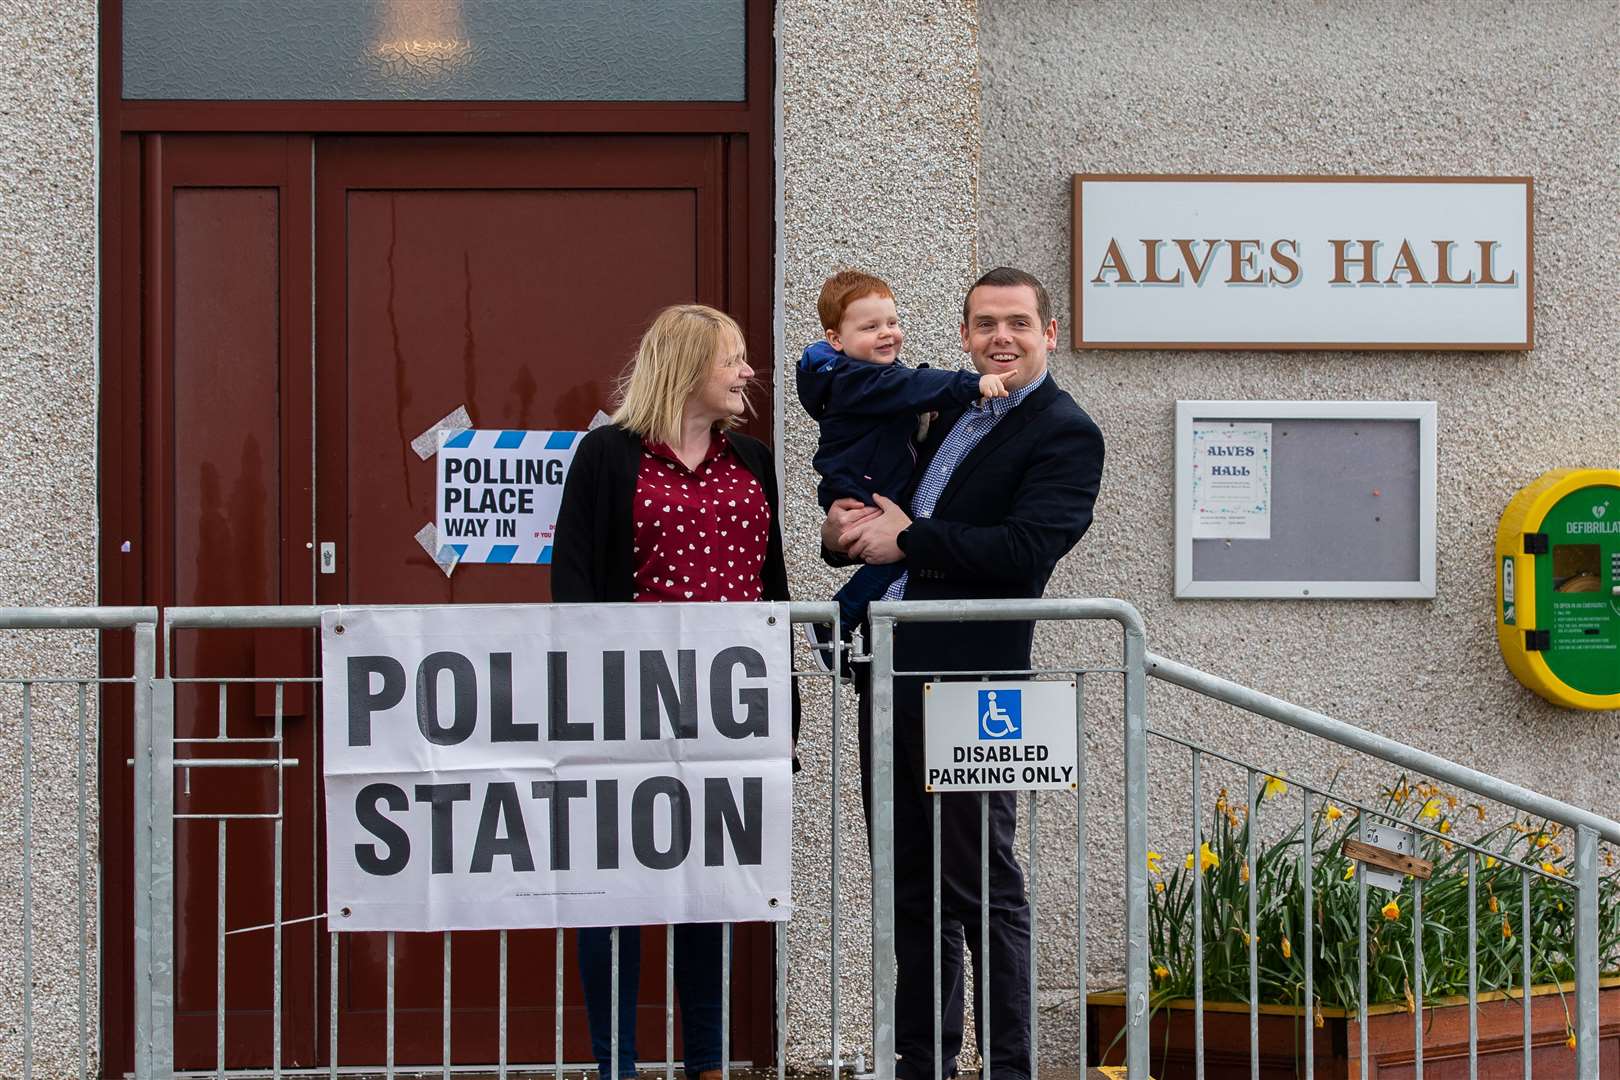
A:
x: 970, y: 429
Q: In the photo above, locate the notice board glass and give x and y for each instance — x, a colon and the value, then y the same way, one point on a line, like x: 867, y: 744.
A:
x: 1347, y: 509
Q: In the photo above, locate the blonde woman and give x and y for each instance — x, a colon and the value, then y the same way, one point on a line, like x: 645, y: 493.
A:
x: 670, y: 503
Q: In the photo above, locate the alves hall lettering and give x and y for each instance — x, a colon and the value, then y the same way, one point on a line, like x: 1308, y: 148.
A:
x: 1254, y: 262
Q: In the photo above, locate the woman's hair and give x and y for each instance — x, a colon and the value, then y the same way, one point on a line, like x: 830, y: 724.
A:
x: 675, y: 355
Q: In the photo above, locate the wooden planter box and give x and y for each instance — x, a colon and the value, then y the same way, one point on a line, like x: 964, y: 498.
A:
x: 1338, y: 1040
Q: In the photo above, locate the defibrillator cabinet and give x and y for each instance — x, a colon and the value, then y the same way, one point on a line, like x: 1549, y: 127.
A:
x: 1558, y: 587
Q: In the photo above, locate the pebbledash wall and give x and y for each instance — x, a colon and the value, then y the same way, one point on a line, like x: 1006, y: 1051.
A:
x: 927, y: 141
x: 1160, y: 86
x: 48, y: 524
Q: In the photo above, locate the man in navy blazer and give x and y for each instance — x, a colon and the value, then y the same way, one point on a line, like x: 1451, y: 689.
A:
x: 1005, y: 489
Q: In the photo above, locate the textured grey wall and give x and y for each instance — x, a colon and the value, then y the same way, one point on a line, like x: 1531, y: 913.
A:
x: 880, y: 151
x: 47, y: 497
x: 1378, y: 87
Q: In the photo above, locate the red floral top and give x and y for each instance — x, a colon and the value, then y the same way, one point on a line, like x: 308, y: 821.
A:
x: 700, y: 534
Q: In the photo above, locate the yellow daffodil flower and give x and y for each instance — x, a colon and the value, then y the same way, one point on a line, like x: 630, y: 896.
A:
x: 1451, y: 802
x: 1158, y: 886
x: 1445, y: 825
x: 1287, y: 948
x: 1220, y: 801
x: 1570, y: 1041
x: 1350, y: 872
x: 1555, y: 871
x: 1333, y: 813
x: 1160, y: 971
x: 1490, y: 862
x: 1207, y: 859
x: 1507, y: 929
x: 1274, y: 787
x: 1479, y: 809
x: 1391, y: 911
x: 1243, y: 874
x: 1431, y: 809
x: 1495, y: 907
x: 1542, y: 840
x: 1153, y: 858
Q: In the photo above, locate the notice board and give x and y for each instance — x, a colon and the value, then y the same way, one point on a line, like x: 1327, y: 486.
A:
x: 1346, y: 509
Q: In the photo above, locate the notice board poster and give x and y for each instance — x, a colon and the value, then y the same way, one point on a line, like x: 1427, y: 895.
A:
x: 557, y: 765
x: 497, y: 492
x: 1231, y: 481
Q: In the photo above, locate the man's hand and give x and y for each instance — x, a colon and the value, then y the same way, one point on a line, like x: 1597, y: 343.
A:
x: 872, y: 540
x: 842, y: 516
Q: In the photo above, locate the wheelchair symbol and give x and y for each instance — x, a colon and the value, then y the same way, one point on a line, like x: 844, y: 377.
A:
x: 998, y: 721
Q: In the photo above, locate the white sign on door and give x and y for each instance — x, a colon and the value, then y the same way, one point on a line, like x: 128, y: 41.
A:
x: 1018, y: 736
x: 497, y: 493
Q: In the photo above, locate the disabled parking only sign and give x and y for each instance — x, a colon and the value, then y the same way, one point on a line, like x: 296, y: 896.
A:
x: 1008, y: 736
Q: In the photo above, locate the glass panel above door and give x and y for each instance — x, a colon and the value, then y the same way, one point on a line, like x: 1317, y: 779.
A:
x: 434, y: 50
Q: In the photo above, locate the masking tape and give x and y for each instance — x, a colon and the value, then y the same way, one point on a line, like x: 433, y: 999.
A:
x: 427, y: 443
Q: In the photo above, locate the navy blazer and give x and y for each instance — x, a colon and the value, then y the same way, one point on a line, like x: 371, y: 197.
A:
x: 1014, y: 506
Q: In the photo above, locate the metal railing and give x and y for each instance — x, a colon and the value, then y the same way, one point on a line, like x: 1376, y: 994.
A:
x: 1135, y: 666
x: 159, y: 759
x: 65, y: 705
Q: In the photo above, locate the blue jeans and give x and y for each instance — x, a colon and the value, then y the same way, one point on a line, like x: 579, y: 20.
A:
x: 697, y: 989
x: 868, y: 584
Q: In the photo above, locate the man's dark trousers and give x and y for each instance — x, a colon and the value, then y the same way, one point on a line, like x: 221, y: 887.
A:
x: 960, y: 909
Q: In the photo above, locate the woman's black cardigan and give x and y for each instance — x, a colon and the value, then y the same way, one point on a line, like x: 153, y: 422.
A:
x: 592, y: 554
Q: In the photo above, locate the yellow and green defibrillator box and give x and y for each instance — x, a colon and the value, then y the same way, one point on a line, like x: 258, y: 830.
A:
x: 1558, y: 587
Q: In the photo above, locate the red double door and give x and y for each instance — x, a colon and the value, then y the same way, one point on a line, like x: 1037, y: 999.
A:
x: 309, y: 306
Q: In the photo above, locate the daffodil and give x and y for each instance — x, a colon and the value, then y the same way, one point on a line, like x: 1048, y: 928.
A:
x: 1554, y: 870
x: 1507, y: 929
x: 1391, y: 911
x: 1207, y: 859
x: 1479, y: 809
x: 1158, y: 886
x: 1287, y: 948
x: 1542, y: 840
x: 1160, y: 971
x: 1451, y: 802
x: 1431, y: 809
x: 1243, y: 874
x: 1490, y: 862
x: 1445, y: 825
x: 1495, y: 907
x: 1153, y: 858
x: 1570, y: 1041
x: 1350, y: 872
x: 1274, y: 786
x: 1333, y: 813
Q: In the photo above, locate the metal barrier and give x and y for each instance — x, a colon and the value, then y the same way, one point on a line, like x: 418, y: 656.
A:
x: 43, y: 694
x: 1136, y: 665
x: 160, y: 758
x: 166, y: 765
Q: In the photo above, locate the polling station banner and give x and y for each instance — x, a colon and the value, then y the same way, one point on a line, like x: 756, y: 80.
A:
x: 497, y: 493
x: 556, y: 765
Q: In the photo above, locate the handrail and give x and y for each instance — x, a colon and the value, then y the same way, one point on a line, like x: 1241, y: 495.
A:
x: 309, y: 615
x: 75, y: 618
x: 1367, y: 742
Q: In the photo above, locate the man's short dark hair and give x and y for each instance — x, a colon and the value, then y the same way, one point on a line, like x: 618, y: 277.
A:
x: 1006, y: 275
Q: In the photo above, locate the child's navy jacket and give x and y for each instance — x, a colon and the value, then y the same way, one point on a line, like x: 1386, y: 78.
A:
x: 868, y: 414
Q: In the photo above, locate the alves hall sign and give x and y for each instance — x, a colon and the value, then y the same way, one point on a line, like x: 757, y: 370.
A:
x: 1302, y: 262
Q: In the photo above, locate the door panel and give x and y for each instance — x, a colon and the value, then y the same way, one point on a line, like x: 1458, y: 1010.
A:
x: 520, y: 304
x: 228, y: 373
x: 513, y: 276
